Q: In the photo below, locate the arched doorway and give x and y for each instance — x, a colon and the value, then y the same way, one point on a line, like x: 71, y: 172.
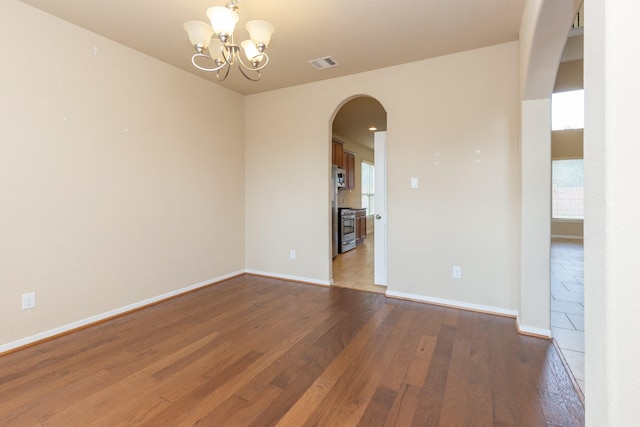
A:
x: 353, y: 192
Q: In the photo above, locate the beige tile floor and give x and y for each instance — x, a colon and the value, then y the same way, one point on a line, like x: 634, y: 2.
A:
x: 354, y: 269
x: 567, y: 303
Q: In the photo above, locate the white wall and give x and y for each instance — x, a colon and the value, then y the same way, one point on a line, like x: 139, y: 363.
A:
x: 612, y: 231
x: 121, y: 178
x: 465, y: 211
x: 535, y: 310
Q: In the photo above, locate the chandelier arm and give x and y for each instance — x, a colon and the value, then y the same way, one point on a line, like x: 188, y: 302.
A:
x: 264, y: 55
x: 248, y: 76
x: 228, y: 67
x: 193, y: 61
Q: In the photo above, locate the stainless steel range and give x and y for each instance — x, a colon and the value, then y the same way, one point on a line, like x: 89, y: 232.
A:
x: 347, y: 229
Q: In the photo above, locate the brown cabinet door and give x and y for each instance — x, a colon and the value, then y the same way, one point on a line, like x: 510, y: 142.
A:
x: 349, y: 162
x: 338, y: 155
x: 361, y: 225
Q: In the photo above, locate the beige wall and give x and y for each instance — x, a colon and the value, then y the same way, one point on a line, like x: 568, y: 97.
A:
x: 121, y: 178
x: 455, y: 130
x: 570, y: 76
x: 567, y: 229
x: 567, y: 144
x: 353, y: 198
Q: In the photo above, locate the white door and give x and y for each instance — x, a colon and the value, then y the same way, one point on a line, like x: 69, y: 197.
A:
x: 380, y: 222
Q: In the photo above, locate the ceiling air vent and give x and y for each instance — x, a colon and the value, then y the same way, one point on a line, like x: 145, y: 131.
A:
x: 323, y: 63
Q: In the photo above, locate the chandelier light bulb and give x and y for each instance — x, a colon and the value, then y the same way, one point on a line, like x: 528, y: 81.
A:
x: 223, y: 20
x: 250, y: 50
x: 260, y: 32
x: 200, y: 33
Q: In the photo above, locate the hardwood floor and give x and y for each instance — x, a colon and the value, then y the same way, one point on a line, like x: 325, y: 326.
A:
x: 255, y: 351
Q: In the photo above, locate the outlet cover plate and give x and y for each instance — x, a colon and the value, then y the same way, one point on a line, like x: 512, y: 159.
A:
x: 29, y: 301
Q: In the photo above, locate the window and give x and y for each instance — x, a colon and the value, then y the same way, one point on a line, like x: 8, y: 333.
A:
x: 567, y: 198
x: 368, y: 187
x: 567, y: 110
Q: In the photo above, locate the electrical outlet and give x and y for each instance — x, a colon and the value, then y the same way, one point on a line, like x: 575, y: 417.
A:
x: 457, y: 272
x: 29, y: 301
x: 292, y: 254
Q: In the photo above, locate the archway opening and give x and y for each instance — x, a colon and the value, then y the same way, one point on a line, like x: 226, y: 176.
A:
x: 353, y: 199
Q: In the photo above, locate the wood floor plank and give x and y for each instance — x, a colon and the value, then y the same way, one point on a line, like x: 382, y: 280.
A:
x: 314, y: 395
x: 245, y: 412
x: 565, y: 409
x: 432, y: 395
x: 254, y: 351
x: 479, y: 362
x: 379, y: 407
x: 314, y: 359
x: 209, y: 403
x: 356, y: 387
x: 457, y: 393
x: 403, y: 411
x: 284, y: 369
x: 396, y: 374
x: 419, y: 364
x: 293, y: 334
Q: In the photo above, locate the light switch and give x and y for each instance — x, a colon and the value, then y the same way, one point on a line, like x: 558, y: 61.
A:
x: 457, y: 272
x: 414, y: 182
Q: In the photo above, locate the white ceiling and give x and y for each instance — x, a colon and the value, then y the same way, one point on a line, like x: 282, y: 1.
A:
x: 361, y: 35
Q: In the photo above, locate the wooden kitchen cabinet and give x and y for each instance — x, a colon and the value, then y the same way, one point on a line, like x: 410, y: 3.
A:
x: 346, y: 161
x: 349, y: 166
x: 361, y: 225
x: 338, y: 154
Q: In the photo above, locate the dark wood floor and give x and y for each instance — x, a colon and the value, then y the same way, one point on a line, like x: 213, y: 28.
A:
x: 262, y: 352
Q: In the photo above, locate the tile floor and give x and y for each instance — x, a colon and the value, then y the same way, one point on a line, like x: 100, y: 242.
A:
x: 354, y: 269
x: 567, y: 303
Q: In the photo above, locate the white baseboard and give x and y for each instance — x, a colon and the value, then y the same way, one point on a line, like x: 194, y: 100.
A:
x: 532, y: 330
x: 566, y: 236
x: 289, y: 277
x: 454, y: 304
x: 523, y: 329
x: 112, y: 313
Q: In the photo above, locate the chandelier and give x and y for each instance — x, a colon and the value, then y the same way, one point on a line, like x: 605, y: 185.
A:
x: 221, y: 52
